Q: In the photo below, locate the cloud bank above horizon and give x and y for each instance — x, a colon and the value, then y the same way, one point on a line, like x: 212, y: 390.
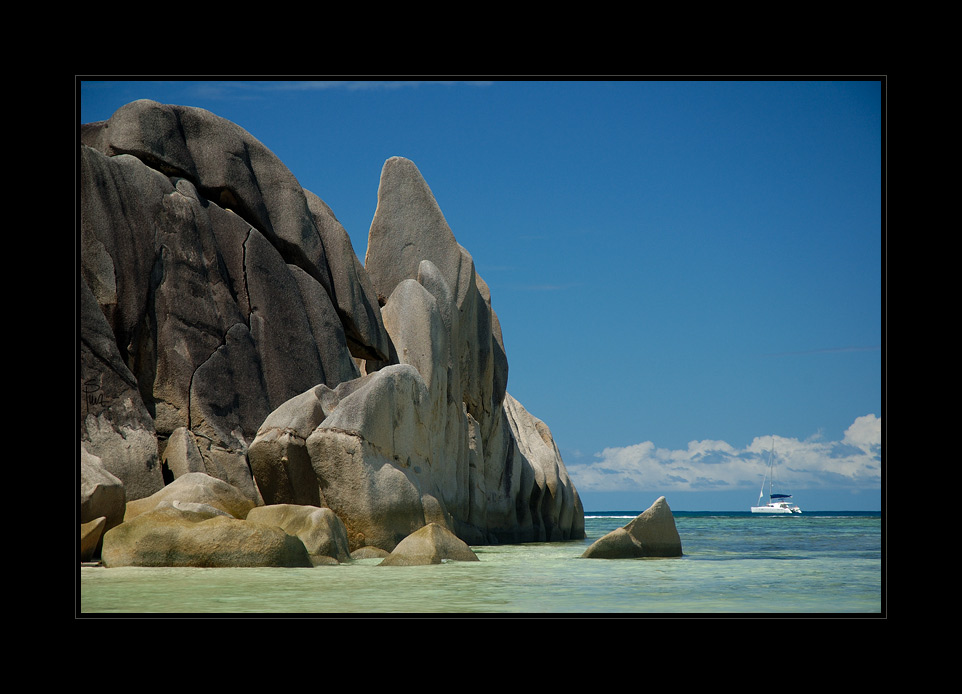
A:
x: 855, y: 462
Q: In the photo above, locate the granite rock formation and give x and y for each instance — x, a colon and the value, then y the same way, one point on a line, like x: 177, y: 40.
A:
x: 321, y: 531
x: 227, y: 329
x: 651, y: 534
x: 176, y: 535
x: 432, y: 544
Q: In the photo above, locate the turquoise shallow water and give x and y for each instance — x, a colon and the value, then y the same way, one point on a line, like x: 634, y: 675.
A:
x: 733, y: 563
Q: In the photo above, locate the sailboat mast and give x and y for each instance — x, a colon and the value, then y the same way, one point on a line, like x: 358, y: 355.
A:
x: 777, y: 503
x: 771, y: 470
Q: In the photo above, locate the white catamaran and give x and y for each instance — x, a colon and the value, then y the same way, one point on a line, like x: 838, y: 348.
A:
x: 778, y: 504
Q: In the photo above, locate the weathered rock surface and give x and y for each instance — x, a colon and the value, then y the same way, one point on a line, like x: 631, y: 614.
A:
x: 651, y: 534
x: 103, y: 503
x: 655, y: 529
x: 432, y: 544
x: 206, y: 287
x: 101, y: 494
x: 116, y: 427
x: 186, y: 453
x: 321, y: 531
x: 91, y: 533
x: 554, y: 499
x: 228, y: 330
x: 195, y: 488
x: 171, y: 536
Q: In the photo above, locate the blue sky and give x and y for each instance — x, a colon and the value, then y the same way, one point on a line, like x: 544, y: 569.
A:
x: 683, y: 270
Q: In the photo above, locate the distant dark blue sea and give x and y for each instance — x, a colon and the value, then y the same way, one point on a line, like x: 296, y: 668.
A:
x: 734, y: 563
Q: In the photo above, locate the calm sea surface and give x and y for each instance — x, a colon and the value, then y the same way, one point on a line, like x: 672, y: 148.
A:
x: 733, y: 563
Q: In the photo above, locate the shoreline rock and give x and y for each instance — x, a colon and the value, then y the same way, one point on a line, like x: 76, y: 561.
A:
x: 169, y: 536
x: 432, y: 544
x: 321, y: 531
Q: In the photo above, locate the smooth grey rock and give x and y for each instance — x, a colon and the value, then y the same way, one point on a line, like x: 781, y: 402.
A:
x: 278, y: 455
x: 372, y: 457
x: 101, y: 493
x: 556, y: 505
x: 187, y: 453
x: 181, y: 454
x: 413, y: 320
x: 408, y: 227
x: 326, y: 330
x: 353, y: 293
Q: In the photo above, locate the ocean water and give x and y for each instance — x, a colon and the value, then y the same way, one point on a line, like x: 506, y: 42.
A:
x: 733, y: 563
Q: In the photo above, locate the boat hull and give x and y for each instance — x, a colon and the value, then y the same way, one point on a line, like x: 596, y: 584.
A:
x: 776, y: 510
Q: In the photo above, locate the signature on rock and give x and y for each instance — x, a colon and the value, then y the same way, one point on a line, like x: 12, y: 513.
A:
x: 93, y: 395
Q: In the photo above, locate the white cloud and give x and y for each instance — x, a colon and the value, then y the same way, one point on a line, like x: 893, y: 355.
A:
x: 854, y: 462
x: 865, y: 433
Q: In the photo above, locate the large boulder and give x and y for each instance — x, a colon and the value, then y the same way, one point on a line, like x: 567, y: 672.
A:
x: 198, y: 488
x: 182, y: 454
x: 432, y: 544
x: 655, y: 529
x: 651, y: 534
x: 186, y: 452
x: 102, y: 495
x: 618, y: 544
x: 175, y: 536
x: 373, y: 458
x: 321, y: 531
x: 278, y: 455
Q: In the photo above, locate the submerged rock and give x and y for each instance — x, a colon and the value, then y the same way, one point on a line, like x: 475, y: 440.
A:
x: 651, y: 534
x: 368, y: 552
